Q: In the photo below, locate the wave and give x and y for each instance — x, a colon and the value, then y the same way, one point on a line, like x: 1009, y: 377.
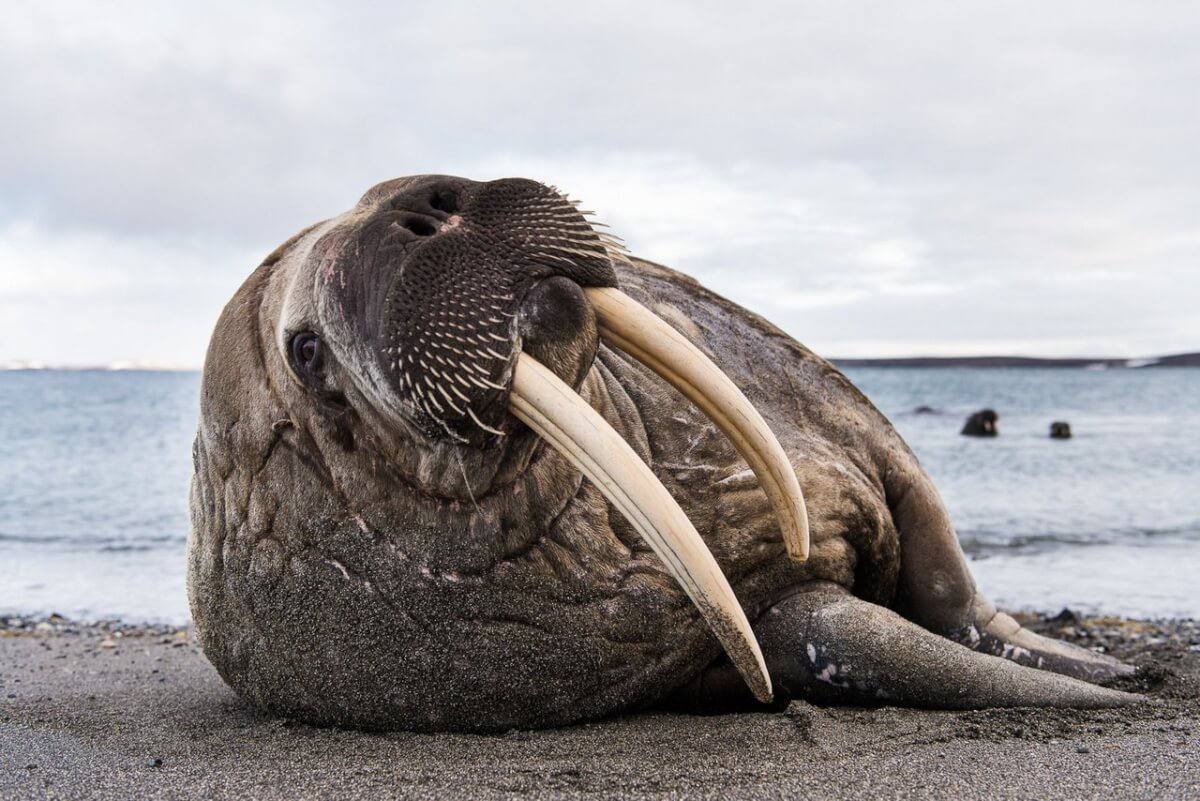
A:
x: 25, y: 365
x: 981, y: 543
x: 141, y: 543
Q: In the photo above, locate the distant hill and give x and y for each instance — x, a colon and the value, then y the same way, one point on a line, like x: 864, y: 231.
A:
x: 1179, y: 360
x: 1175, y: 360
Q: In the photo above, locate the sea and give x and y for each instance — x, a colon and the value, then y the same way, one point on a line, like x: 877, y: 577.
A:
x: 95, y: 465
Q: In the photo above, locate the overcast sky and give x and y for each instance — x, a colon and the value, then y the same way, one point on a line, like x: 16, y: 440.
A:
x: 879, y: 179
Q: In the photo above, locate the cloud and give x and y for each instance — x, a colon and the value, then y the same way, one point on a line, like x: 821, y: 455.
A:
x: 86, y: 298
x: 910, y: 178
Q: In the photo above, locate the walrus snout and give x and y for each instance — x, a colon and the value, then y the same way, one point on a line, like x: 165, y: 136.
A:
x: 455, y: 262
x: 557, y: 325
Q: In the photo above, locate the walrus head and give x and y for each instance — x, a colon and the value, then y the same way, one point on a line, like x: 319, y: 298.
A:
x: 427, y: 292
x: 421, y: 348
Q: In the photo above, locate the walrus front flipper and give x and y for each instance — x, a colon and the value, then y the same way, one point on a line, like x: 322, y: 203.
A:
x: 998, y: 634
x: 938, y: 592
x: 827, y: 646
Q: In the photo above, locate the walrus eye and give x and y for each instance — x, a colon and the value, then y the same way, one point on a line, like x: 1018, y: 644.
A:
x: 306, y: 353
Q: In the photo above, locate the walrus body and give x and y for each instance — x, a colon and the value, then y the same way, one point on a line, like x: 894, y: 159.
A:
x: 347, y: 570
x: 981, y: 424
x: 1060, y: 429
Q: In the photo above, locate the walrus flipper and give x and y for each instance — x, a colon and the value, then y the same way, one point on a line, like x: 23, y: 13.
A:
x: 998, y: 634
x: 938, y: 592
x: 826, y: 646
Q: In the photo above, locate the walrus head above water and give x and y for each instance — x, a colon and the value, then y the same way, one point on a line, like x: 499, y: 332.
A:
x: 454, y: 452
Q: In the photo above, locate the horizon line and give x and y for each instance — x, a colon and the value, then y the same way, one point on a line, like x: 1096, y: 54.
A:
x: 16, y: 365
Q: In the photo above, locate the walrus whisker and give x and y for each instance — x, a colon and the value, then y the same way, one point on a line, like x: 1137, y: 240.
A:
x: 466, y: 481
x: 542, y: 401
x: 456, y: 437
x: 630, y: 326
x: 484, y: 425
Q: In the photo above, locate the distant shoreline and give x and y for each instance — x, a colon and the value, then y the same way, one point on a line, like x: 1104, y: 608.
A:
x: 1103, y: 363
x: 21, y: 367
x: 1098, y: 363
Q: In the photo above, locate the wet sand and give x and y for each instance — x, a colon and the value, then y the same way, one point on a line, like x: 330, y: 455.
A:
x: 121, y: 712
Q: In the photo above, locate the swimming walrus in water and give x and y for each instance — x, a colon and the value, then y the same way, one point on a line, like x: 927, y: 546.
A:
x: 462, y: 464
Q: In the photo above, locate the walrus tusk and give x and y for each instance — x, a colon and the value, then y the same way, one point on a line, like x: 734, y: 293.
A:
x: 630, y: 326
x: 552, y: 409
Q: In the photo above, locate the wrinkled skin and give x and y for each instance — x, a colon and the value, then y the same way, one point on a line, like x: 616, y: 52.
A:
x: 350, y: 563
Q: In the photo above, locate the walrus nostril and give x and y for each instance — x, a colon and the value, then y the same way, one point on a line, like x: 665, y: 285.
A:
x: 444, y: 201
x: 419, y: 226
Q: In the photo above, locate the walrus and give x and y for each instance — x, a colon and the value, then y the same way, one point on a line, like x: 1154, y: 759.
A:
x: 464, y: 464
x: 981, y: 424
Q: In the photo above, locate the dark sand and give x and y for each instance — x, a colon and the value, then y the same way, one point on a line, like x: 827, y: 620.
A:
x: 111, y: 712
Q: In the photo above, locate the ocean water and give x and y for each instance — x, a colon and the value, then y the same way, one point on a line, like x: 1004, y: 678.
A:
x: 94, y: 471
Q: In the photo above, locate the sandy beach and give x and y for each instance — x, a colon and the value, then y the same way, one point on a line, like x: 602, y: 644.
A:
x: 111, y: 711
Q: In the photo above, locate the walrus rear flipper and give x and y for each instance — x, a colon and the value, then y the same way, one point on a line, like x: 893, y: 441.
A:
x: 826, y: 646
